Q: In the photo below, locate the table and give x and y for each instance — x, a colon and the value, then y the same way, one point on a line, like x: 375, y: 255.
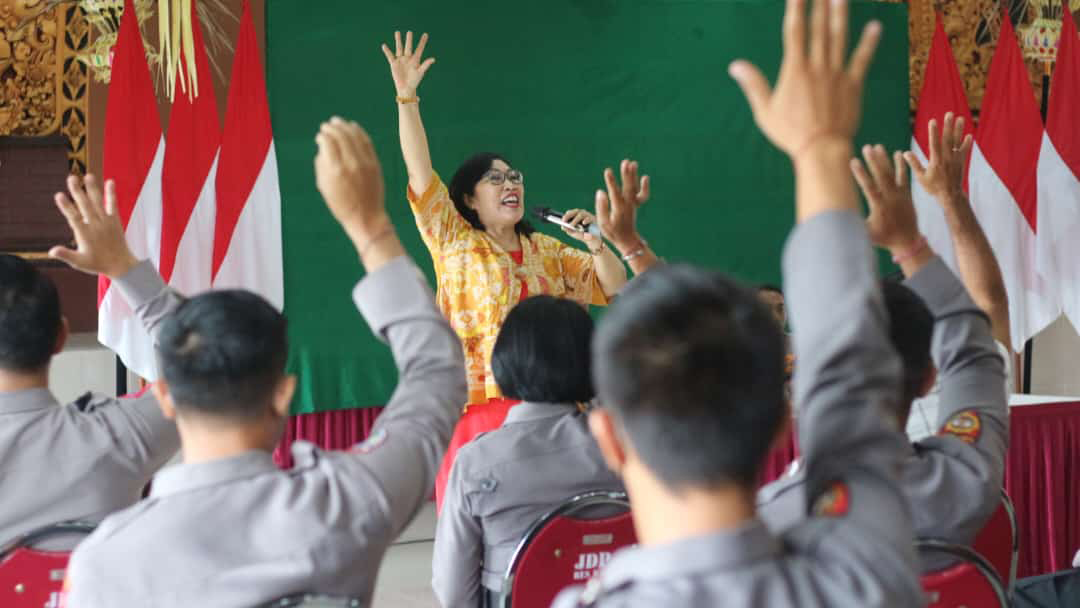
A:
x: 1042, y: 476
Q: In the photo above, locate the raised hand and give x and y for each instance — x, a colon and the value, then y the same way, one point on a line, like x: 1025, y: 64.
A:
x: 407, y: 66
x: 892, y: 223
x: 616, y: 210
x: 349, y: 177
x: 817, y: 97
x: 101, y: 247
x: 943, y: 176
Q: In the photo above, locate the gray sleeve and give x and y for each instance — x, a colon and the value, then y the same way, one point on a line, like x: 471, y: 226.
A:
x: 148, y: 295
x: 857, y: 540
x: 459, y: 548
x: 142, y: 433
x: 411, y: 435
x: 957, y: 477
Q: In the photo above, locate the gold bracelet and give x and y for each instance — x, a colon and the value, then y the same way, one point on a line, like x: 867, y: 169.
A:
x: 413, y: 99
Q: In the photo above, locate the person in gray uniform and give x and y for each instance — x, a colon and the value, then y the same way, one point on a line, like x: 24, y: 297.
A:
x: 689, y: 372
x: 543, y: 454
x: 952, y: 480
x: 82, y: 460
x: 227, y: 528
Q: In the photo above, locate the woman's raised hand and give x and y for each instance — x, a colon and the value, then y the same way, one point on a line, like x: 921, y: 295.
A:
x: 407, y: 66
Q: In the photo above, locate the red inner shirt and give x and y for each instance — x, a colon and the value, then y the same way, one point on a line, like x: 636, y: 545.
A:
x: 519, y: 259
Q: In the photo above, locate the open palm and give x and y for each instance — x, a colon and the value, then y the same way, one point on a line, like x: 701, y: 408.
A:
x: 407, y: 66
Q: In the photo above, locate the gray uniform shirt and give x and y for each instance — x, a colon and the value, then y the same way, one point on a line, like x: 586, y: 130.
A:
x: 854, y: 548
x: 85, y: 459
x: 501, y: 483
x: 952, y: 481
x: 238, y: 532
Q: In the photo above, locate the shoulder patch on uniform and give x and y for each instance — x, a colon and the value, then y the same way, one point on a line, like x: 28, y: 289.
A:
x: 965, y: 426
x: 834, y: 502
x: 373, y: 441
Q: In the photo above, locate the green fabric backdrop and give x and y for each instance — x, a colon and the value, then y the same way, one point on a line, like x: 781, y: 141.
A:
x: 562, y: 88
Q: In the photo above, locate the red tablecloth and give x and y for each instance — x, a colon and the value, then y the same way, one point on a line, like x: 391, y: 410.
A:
x: 330, y: 430
x: 1042, y: 476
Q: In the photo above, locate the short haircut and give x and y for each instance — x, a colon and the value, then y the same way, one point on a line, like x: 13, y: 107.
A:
x: 691, y: 364
x: 29, y: 315
x: 464, y: 183
x: 542, y: 352
x: 770, y: 287
x: 223, y: 354
x: 911, y: 329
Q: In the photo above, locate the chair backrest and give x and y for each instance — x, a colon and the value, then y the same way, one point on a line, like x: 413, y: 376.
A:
x: 314, y: 600
x: 560, y: 550
x: 999, y: 543
x: 970, y: 582
x: 34, y: 578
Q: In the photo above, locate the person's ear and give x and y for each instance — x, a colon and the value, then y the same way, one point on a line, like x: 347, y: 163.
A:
x: 283, y: 395
x: 604, y: 430
x: 160, y: 389
x: 62, y: 335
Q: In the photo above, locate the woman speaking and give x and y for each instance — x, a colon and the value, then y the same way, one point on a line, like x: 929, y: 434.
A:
x: 487, y: 257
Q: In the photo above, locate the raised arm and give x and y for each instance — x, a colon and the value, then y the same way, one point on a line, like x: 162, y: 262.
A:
x: 408, y: 441
x: 616, y: 214
x: 407, y: 67
x: 848, y: 372
x: 943, y: 178
x: 957, y: 476
x: 101, y: 248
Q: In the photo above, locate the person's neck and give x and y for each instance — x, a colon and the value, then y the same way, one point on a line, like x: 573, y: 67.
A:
x: 662, y: 516
x: 505, y: 236
x: 11, y: 382
x: 203, y: 445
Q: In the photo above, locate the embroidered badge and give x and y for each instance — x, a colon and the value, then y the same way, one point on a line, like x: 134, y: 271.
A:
x: 965, y: 426
x: 373, y: 441
x: 834, y: 502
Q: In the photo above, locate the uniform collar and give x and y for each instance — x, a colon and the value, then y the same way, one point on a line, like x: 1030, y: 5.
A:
x: 528, y: 411
x: 183, y: 477
x: 26, y: 400
x: 750, y: 543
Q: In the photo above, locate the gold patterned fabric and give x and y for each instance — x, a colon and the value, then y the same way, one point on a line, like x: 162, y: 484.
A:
x: 479, y: 282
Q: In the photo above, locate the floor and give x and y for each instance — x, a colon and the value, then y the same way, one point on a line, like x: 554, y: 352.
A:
x: 405, y: 576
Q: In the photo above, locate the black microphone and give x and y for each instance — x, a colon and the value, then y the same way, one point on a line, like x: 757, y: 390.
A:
x: 554, y: 217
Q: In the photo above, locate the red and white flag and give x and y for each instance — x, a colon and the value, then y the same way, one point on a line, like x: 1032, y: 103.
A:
x: 133, y: 154
x: 191, y: 150
x: 247, y: 238
x: 1059, y: 178
x: 942, y: 91
x: 1003, y: 185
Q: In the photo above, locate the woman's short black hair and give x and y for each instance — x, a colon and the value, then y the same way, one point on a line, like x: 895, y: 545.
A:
x: 464, y: 183
x: 542, y: 352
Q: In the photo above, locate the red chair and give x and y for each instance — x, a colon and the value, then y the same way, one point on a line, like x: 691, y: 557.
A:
x: 34, y: 578
x: 970, y: 582
x: 559, y: 550
x: 999, y: 543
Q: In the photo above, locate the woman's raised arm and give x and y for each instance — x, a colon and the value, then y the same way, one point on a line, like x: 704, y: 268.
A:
x: 407, y: 67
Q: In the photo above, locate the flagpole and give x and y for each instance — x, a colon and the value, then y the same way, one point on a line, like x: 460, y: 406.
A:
x: 121, y: 377
x: 1044, y: 103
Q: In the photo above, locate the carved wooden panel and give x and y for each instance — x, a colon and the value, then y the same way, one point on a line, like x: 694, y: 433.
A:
x: 43, y: 85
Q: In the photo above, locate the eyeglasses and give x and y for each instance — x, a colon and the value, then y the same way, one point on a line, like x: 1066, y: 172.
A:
x: 497, y: 177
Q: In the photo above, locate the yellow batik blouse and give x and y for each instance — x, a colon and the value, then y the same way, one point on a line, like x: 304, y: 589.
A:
x: 479, y: 282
